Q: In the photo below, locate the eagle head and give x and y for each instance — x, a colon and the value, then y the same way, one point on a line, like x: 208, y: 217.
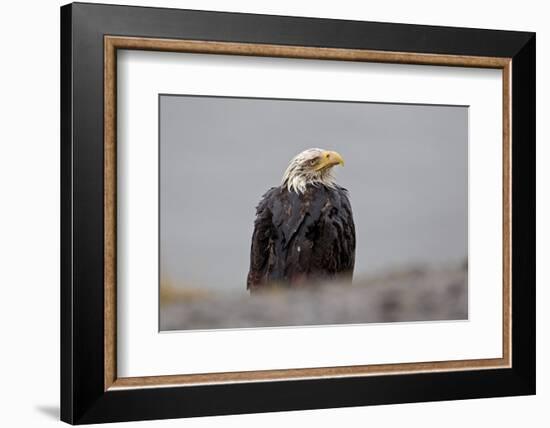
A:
x: 312, y: 166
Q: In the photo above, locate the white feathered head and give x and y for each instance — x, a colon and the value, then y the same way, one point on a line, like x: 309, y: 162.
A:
x: 312, y: 166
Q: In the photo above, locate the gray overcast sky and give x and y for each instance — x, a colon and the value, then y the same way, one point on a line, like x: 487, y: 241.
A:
x: 406, y: 171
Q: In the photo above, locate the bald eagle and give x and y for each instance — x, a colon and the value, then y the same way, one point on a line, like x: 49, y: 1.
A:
x: 304, y: 231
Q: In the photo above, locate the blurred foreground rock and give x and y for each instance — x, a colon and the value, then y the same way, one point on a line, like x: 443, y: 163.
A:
x: 409, y: 295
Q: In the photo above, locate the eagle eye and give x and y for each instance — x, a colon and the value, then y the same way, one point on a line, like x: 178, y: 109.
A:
x: 313, y: 161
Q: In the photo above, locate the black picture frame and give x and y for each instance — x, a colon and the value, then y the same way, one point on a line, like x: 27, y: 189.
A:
x: 83, y: 396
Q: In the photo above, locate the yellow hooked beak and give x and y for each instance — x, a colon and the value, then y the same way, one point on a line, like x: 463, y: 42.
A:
x: 329, y: 159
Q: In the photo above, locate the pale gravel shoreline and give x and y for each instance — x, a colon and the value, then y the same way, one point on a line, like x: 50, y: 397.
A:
x: 405, y: 296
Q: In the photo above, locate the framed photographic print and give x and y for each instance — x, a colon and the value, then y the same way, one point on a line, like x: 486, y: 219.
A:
x: 265, y: 213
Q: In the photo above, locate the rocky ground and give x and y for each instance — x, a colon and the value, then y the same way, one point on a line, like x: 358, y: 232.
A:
x: 408, y: 295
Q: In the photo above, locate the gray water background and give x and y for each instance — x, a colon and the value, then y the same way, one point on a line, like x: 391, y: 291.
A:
x: 406, y: 170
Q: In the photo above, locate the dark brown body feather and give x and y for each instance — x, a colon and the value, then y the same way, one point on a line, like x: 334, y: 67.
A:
x: 302, y: 238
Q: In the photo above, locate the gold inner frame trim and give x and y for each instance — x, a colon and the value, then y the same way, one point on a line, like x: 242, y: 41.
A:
x: 113, y: 43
